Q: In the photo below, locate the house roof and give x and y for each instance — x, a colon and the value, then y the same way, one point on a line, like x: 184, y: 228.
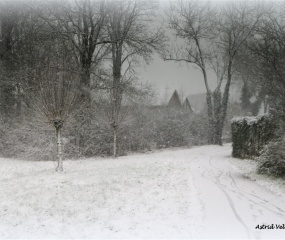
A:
x: 174, y: 101
x: 186, y: 105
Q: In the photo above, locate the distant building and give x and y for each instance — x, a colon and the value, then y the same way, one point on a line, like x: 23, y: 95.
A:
x: 186, y: 106
x: 175, y: 103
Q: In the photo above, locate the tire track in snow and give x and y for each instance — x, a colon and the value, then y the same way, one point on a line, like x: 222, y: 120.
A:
x: 234, y: 185
x: 233, y: 208
x: 256, y: 203
x: 218, y: 183
x: 232, y: 201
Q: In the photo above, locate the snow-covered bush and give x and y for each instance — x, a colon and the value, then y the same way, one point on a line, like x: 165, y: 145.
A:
x: 250, y: 135
x: 171, y: 128
x: 146, y: 129
x: 27, y: 141
x: 170, y: 132
x: 88, y: 137
x: 85, y: 136
x: 272, y: 160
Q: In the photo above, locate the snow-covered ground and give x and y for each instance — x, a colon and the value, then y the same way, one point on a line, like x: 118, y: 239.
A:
x: 188, y: 193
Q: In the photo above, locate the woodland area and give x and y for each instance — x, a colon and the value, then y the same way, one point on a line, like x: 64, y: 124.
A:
x: 68, y: 69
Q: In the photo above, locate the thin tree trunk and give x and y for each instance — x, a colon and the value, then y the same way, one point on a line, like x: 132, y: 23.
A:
x: 115, y: 142
x: 59, y: 150
x: 266, y: 104
x: 116, y: 97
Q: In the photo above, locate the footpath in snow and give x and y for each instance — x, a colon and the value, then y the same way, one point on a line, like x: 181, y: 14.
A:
x: 197, y: 193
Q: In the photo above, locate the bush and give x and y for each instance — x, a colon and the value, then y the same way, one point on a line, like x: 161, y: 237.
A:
x: 27, y: 141
x: 163, y: 128
x: 250, y: 135
x: 143, y: 130
x: 272, y: 160
x: 87, y: 135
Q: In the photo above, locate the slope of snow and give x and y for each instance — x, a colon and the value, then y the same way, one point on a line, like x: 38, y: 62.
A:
x: 190, y: 193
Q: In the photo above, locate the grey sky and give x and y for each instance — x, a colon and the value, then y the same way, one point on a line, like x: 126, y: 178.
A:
x: 167, y: 76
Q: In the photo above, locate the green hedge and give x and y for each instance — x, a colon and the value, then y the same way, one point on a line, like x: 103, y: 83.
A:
x: 250, y: 135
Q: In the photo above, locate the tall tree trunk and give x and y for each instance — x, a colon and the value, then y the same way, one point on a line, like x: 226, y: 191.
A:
x: 217, y: 123
x: 59, y: 149
x: 217, y: 110
x: 225, y: 100
x: 116, y: 101
x: 117, y: 91
x: 209, y: 103
x: 215, y: 117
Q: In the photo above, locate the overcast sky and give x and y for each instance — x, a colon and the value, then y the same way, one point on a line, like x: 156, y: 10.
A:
x: 167, y: 76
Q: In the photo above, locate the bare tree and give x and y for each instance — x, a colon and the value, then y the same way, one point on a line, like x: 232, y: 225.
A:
x: 193, y: 23
x: 57, y: 98
x: 238, y: 23
x: 212, y: 41
x: 131, y: 37
x: 80, y: 24
x: 22, y: 45
x: 267, y: 47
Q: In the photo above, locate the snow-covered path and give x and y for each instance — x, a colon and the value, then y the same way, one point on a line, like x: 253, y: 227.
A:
x: 232, y: 204
x: 189, y: 193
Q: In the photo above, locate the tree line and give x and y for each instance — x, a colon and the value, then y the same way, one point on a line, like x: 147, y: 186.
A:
x: 62, y: 57
x: 56, y: 54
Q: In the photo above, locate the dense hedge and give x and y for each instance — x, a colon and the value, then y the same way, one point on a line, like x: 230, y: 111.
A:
x: 250, y: 135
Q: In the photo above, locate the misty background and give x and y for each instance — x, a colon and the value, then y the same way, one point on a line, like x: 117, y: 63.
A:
x: 88, y: 77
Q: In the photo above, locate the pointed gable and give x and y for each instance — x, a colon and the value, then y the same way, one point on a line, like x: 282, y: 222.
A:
x: 174, y: 101
x: 186, y: 106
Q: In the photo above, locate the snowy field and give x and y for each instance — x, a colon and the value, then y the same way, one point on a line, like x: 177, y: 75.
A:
x: 188, y: 193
